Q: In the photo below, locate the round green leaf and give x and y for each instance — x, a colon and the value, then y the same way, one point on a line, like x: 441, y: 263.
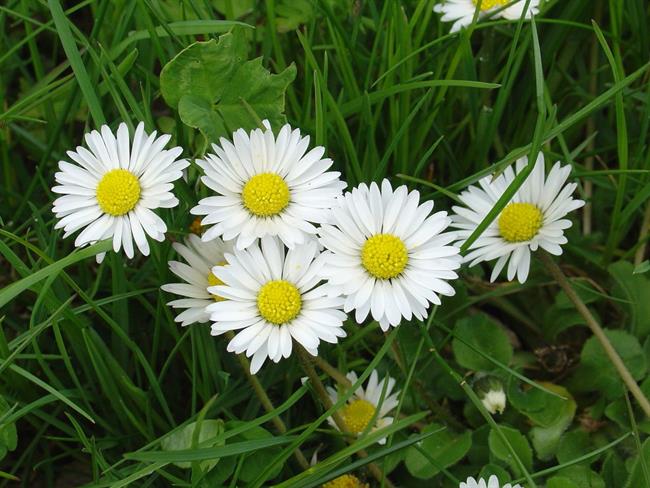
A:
x: 439, y: 451
x: 479, y: 333
x: 519, y: 444
x: 607, y: 379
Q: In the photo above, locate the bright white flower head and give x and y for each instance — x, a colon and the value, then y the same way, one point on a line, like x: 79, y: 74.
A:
x: 363, y: 404
x: 115, y: 187
x: 461, y: 12
x: 493, y: 482
x: 267, y: 186
x: 390, y: 257
x: 201, y: 257
x: 532, y: 219
x: 271, y: 297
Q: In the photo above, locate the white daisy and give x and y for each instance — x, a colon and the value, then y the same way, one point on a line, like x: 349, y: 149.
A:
x: 363, y: 404
x: 274, y: 297
x: 201, y: 257
x: 493, y: 482
x: 390, y: 257
x: 115, y: 188
x: 266, y: 186
x: 461, y: 12
x: 532, y: 219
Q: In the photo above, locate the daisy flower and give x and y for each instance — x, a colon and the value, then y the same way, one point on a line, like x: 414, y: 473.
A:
x: 346, y: 481
x: 461, y: 12
x: 266, y: 186
x: 492, y: 482
x: 363, y: 404
x: 273, y: 297
x: 532, y: 219
x: 197, y: 274
x: 390, y: 257
x: 113, y: 189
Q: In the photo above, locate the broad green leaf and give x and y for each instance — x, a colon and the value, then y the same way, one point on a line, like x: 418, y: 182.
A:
x: 239, y: 7
x: 546, y: 437
x: 484, y: 335
x: 182, y: 440
x: 634, y: 289
x: 593, y: 359
x: 494, y: 469
x: 518, y: 442
x: 443, y: 449
x: 644, y: 267
x: 8, y: 433
x: 561, y: 482
x: 580, y: 476
x: 255, y: 463
x: 201, y: 67
x: 217, y: 90
x: 574, y: 445
x: 290, y: 14
x: 613, y: 470
x: 562, y: 314
x: 637, y: 476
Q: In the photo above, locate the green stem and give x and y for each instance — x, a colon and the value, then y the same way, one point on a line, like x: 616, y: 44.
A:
x: 266, y: 402
x: 477, y: 403
x: 597, y: 330
x: 306, y: 361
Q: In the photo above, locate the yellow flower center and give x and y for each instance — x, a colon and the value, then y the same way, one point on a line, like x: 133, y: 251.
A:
x: 488, y: 4
x: 384, y: 256
x: 214, y: 281
x: 279, y: 302
x: 345, y: 481
x: 265, y: 194
x: 520, y: 222
x: 357, y: 415
x: 118, y: 192
x: 196, y: 227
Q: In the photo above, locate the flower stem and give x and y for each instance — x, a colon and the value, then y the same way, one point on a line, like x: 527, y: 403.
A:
x: 306, y: 361
x: 597, y: 330
x: 332, y: 372
x: 266, y: 403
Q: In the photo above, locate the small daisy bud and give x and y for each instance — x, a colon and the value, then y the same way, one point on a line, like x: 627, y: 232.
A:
x: 490, y: 390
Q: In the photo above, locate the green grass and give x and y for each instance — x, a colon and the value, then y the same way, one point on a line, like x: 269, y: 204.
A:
x: 94, y: 372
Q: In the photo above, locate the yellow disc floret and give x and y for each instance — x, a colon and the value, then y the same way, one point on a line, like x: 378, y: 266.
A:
x: 196, y: 227
x: 279, y: 302
x: 520, y: 222
x: 118, y: 192
x: 488, y: 4
x: 357, y: 415
x: 384, y: 256
x: 214, y: 281
x: 345, y: 481
x: 265, y: 194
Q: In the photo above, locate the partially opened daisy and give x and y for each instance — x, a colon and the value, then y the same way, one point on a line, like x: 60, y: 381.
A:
x: 461, y: 12
x: 273, y: 297
x: 113, y: 189
x: 391, y: 257
x: 534, y: 217
x: 367, y: 404
x: 492, y: 482
x: 266, y: 186
x: 197, y: 274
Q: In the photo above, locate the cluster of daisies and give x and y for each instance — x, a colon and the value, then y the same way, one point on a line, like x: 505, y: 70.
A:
x: 285, y: 254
